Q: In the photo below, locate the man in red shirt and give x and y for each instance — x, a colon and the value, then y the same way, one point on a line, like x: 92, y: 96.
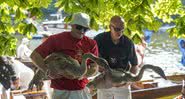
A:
x: 74, y: 44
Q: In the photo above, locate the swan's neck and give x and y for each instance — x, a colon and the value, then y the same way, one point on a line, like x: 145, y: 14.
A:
x: 140, y: 75
x: 83, y: 63
x: 88, y: 56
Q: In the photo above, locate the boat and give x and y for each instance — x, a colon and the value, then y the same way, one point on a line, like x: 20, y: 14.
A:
x: 152, y: 91
x: 19, y: 94
x: 160, y: 92
x: 167, y: 92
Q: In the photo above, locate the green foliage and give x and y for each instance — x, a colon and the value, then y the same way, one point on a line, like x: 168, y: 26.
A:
x: 50, y: 9
x: 13, y: 14
x: 8, y: 44
x: 138, y: 14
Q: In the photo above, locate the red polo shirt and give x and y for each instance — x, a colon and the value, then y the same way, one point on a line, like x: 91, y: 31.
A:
x: 64, y: 42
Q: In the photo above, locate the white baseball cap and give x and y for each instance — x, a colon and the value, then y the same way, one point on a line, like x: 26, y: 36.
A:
x: 81, y: 19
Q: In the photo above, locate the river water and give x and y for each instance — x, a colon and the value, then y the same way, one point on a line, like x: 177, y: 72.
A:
x: 163, y: 52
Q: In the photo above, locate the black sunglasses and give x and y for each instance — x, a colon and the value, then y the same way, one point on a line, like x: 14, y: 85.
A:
x: 81, y: 28
x: 117, y: 29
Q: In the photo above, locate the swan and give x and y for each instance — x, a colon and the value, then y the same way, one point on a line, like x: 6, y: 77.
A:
x: 66, y: 66
x: 70, y: 68
x: 113, y: 77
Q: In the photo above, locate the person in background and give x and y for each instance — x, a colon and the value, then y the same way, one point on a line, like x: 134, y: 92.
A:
x: 140, y: 51
x: 45, y: 27
x: 15, y: 83
x: 148, y: 36
x: 142, y: 46
x: 120, y: 53
x: 73, y: 43
x: 181, y: 43
x: 23, y: 52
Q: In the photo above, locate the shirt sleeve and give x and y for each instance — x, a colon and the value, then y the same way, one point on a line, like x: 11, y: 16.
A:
x: 132, y: 56
x: 94, y: 51
x: 46, y: 47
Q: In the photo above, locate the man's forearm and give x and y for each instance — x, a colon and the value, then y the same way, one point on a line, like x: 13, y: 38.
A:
x: 38, y: 61
x: 134, y: 69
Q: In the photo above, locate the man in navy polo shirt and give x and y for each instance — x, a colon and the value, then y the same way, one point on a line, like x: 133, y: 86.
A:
x: 120, y: 53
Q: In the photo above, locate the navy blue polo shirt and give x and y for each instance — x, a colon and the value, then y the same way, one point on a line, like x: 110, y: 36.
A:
x: 118, y: 55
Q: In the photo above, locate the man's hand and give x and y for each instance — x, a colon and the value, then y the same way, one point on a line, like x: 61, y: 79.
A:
x: 134, y: 69
x: 37, y: 80
x: 38, y: 61
x: 92, y: 70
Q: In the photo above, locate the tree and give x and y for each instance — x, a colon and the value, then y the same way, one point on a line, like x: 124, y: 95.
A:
x: 138, y: 14
x: 50, y: 9
x: 12, y: 20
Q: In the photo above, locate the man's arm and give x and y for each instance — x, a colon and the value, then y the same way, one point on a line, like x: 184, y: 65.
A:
x: 93, y: 67
x: 134, y: 69
x: 38, y: 61
x: 133, y: 60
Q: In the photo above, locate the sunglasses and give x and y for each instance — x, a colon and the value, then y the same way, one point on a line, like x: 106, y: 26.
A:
x: 117, y: 29
x: 81, y: 28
